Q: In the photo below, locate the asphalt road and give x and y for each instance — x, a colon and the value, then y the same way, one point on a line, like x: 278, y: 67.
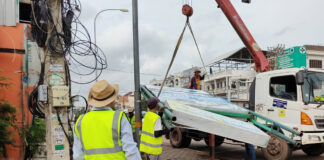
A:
x: 227, y: 151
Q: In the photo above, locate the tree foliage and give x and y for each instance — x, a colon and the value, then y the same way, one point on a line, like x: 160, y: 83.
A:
x: 35, y: 137
x: 7, y: 124
x: 7, y: 120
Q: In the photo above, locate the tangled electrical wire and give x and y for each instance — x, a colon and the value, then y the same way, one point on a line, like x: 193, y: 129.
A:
x: 83, y: 57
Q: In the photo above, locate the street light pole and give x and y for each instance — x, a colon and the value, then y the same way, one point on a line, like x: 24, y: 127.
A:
x: 137, y: 94
x: 94, y: 26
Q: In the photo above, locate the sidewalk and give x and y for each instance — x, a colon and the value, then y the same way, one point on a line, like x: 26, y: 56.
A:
x: 227, y: 151
x: 196, y: 151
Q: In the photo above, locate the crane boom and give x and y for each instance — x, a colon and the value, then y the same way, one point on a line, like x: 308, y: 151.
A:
x: 260, y: 61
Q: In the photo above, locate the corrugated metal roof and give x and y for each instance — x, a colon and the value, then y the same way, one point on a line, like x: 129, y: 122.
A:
x: 224, y: 56
x: 239, y: 55
x: 9, y: 12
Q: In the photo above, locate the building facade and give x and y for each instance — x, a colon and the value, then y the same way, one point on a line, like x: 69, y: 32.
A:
x: 230, y: 75
x: 177, y: 80
x: 126, y: 101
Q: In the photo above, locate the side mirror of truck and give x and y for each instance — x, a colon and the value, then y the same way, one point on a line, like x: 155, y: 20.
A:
x: 300, y: 78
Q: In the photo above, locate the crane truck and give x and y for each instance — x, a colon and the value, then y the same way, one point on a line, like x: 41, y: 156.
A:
x: 292, y: 96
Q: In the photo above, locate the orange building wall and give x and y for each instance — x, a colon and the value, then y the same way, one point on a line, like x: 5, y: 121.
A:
x: 12, y: 37
x: 12, y: 67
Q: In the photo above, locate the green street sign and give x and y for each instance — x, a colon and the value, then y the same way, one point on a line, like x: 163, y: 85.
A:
x: 294, y: 57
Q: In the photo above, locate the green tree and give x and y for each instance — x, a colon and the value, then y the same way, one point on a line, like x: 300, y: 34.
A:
x: 35, y: 137
x: 7, y: 120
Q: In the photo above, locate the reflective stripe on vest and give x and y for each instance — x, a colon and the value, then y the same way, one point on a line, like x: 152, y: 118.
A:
x: 152, y: 145
x: 95, y: 153
x: 149, y: 143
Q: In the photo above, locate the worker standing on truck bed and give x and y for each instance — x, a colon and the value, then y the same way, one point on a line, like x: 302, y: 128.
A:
x: 151, y: 136
x: 104, y: 133
x: 195, y: 80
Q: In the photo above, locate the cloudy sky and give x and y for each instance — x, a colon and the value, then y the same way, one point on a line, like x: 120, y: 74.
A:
x: 271, y: 22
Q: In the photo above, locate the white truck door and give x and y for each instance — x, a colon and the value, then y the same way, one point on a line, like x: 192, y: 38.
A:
x: 277, y: 98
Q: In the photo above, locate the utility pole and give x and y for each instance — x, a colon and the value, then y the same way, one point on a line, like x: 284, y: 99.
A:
x: 57, y: 143
x: 137, y: 94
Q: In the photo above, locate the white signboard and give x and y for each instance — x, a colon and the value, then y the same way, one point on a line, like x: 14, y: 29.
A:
x: 217, y: 124
x: 197, y: 98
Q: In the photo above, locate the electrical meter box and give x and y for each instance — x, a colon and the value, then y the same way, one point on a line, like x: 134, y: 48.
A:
x: 61, y: 96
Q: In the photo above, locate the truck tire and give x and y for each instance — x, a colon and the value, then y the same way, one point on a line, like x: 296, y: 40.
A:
x: 176, y: 137
x: 277, y: 149
x: 313, y: 149
x: 218, y: 141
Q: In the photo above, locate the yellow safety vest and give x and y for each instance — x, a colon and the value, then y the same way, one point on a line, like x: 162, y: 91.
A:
x: 132, y: 122
x: 150, y: 144
x: 99, y: 133
x: 198, y: 82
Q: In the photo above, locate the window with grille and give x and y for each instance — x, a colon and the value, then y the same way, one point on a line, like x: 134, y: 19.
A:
x: 315, y: 63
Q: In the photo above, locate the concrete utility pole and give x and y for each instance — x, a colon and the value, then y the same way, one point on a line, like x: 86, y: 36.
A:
x: 137, y: 94
x: 57, y: 145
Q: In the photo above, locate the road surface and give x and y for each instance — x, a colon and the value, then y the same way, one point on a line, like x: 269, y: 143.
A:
x: 227, y: 151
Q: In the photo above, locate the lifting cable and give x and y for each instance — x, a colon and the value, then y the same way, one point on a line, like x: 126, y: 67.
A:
x: 193, y: 36
x: 188, y: 11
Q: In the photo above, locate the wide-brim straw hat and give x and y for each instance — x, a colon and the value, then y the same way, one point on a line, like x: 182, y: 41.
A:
x: 197, y: 70
x: 102, y: 93
x: 131, y: 109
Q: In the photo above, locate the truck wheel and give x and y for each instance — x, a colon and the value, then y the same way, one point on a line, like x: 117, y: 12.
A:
x: 186, y: 141
x: 313, y: 149
x: 176, y: 137
x: 277, y: 149
x: 218, y: 141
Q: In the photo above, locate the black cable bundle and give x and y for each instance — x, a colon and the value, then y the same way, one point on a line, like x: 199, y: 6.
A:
x: 33, y: 104
x: 39, y: 21
x: 67, y: 24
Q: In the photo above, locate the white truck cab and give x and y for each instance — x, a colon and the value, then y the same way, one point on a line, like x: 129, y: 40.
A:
x: 293, y: 97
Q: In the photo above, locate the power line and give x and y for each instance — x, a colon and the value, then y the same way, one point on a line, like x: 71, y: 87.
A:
x: 147, y: 74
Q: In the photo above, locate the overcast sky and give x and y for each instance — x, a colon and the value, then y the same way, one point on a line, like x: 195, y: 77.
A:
x: 271, y: 22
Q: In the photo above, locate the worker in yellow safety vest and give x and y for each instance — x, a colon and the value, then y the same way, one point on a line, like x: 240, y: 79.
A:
x: 131, y: 118
x: 319, y: 98
x: 195, y: 80
x: 151, y: 136
x: 104, y: 133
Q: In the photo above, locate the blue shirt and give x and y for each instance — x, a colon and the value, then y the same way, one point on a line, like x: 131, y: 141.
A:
x: 126, y: 137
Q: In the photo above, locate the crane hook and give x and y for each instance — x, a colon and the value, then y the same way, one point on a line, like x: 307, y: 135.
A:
x: 187, y: 10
